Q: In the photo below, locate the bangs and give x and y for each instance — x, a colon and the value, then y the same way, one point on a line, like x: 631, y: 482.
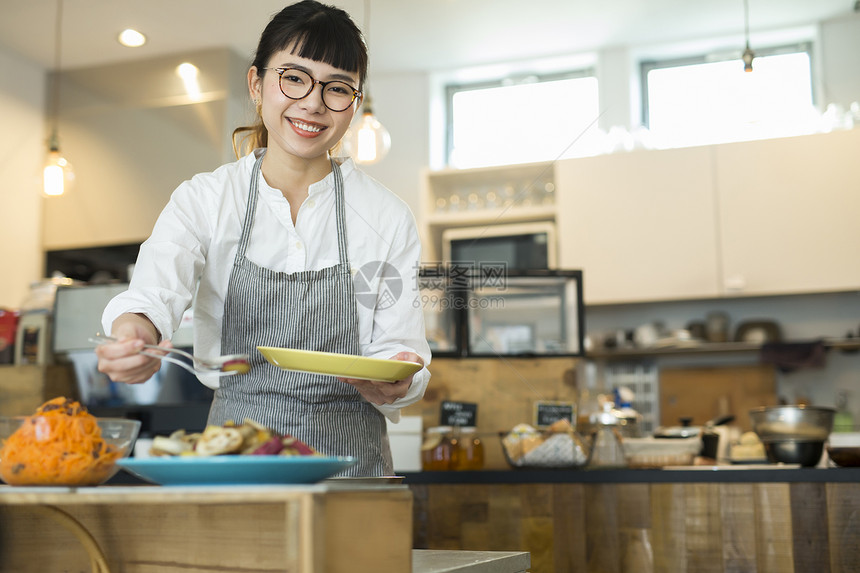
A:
x: 324, y: 40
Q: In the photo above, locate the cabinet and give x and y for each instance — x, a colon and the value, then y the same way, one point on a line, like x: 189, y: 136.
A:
x: 788, y: 214
x: 640, y: 225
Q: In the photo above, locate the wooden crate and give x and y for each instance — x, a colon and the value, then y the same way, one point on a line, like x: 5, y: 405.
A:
x: 140, y: 529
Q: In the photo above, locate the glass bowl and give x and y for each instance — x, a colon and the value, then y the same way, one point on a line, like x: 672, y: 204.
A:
x: 56, y: 450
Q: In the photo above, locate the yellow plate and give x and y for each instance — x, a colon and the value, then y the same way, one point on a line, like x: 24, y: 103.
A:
x: 341, y: 365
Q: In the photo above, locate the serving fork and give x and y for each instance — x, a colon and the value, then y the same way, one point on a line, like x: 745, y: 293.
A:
x: 226, y: 365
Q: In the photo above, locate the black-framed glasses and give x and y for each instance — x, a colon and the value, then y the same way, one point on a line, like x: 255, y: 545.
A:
x: 298, y: 84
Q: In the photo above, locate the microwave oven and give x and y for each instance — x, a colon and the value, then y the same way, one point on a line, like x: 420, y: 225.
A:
x: 518, y: 246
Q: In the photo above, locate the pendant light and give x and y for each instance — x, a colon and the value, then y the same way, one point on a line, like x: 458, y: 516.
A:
x: 367, y: 141
x: 58, y: 174
x: 748, y: 54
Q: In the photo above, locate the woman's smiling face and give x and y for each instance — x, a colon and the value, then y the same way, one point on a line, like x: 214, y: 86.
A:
x: 304, y: 128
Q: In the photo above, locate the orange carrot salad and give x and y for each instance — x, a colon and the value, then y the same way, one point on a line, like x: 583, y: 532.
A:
x: 61, y: 444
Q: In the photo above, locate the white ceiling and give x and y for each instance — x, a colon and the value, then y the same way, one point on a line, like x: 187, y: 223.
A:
x: 405, y: 35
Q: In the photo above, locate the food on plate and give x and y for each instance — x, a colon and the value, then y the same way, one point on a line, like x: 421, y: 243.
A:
x: 749, y: 447
x: 558, y: 446
x: 247, y: 438
x: 61, y: 444
x: 240, y: 365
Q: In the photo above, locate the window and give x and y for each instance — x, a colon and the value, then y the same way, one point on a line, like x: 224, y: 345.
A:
x: 539, y: 118
x: 702, y: 101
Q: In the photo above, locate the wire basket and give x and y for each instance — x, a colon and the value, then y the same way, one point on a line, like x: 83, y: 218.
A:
x: 564, y: 450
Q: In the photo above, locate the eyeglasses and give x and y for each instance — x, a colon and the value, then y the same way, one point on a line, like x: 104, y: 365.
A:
x: 298, y: 84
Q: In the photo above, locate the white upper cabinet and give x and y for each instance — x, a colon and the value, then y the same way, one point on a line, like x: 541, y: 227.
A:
x: 640, y: 225
x: 777, y: 216
x: 789, y: 214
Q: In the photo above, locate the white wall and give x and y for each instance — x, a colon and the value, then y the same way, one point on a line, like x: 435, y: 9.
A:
x: 133, y: 135
x: 840, y: 59
x: 22, y: 150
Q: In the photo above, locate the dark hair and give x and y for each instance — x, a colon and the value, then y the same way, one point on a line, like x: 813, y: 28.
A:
x: 315, y: 31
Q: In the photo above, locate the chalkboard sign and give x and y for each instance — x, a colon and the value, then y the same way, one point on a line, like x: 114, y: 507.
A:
x: 458, y: 413
x: 546, y: 413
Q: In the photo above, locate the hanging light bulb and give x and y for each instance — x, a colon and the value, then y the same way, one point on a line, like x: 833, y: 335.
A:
x: 748, y: 54
x: 747, y: 57
x: 57, y: 174
x: 367, y: 141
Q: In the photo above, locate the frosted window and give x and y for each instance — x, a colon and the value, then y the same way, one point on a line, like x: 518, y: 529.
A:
x: 717, y: 102
x: 523, y: 122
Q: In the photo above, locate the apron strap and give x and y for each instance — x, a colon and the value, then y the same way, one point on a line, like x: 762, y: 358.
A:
x: 340, y: 212
x: 252, y: 209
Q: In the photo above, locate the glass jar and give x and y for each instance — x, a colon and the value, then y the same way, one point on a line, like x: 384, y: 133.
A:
x: 606, y: 451
x: 437, y: 451
x: 470, y: 450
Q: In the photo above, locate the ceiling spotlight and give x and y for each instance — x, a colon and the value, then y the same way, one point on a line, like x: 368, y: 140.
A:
x: 131, y: 38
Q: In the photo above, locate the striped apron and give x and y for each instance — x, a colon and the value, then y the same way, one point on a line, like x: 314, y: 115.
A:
x: 308, y: 310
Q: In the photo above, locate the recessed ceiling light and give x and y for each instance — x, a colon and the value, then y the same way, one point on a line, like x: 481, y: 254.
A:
x: 131, y: 38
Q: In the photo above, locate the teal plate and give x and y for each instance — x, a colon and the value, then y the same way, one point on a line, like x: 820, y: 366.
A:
x: 236, y: 470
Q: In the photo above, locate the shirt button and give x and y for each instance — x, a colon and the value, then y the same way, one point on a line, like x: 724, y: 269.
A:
x: 299, y: 245
x: 310, y: 203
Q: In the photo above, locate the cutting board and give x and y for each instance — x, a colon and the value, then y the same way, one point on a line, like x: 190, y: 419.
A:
x: 706, y: 393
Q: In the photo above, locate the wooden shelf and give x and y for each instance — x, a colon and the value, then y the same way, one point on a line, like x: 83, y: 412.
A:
x: 708, y: 348
x: 492, y: 216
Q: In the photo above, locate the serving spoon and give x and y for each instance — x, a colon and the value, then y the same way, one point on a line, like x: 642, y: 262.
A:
x: 227, y: 365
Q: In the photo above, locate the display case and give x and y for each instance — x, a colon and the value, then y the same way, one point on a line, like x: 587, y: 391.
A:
x: 489, y: 310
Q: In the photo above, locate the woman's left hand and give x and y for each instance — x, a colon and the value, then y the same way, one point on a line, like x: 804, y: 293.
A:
x: 377, y: 392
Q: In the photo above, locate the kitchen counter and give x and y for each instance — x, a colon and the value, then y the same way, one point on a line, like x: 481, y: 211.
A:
x: 617, y: 521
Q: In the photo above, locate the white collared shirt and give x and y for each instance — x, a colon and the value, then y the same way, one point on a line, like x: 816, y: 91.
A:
x: 194, y: 241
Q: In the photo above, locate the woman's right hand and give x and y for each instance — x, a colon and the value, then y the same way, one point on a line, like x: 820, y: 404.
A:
x: 121, y: 361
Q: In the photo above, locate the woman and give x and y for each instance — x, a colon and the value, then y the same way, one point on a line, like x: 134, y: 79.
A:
x: 266, y: 248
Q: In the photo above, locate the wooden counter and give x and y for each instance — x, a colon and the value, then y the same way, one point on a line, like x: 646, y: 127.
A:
x: 149, y: 529
x: 619, y: 521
